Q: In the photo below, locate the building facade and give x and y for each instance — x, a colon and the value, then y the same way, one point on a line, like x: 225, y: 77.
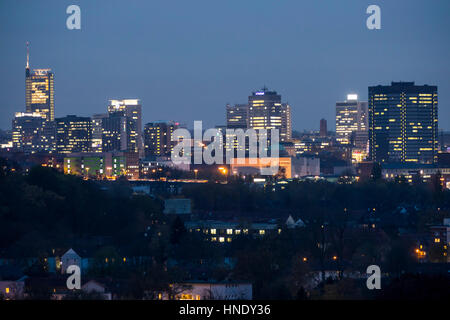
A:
x: 127, y: 114
x: 323, y: 128
x: 403, y: 123
x: 352, y: 122
x: 26, y: 131
x: 97, y: 131
x: 73, y: 134
x: 109, y: 165
x: 237, y: 116
x: 265, y: 111
x: 40, y: 92
x: 158, y: 138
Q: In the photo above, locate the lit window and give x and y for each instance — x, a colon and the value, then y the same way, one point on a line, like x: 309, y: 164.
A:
x: 229, y: 231
x: 262, y: 232
x: 221, y: 239
x: 437, y: 240
x: 7, y: 290
x: 213, y: 231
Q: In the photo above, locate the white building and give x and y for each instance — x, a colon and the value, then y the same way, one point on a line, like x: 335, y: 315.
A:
x: 305, y: 166
x: 70, y: 258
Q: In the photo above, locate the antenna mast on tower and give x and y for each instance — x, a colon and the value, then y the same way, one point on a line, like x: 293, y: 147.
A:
x: 28, y: 55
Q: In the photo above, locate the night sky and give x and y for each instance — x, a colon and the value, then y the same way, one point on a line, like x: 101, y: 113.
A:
x: 186, y: 59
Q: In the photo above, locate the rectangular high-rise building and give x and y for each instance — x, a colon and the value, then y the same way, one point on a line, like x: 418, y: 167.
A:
x: 237, y: 116
x: 26, y: 131
x: 323, y: 132
x: 403, y: 123
x: 351, y: 122
x: 73, y: 134
x: 158, y: 138
x: 267, y: 112
x: 39, y: 91
x: 114, y: 132
x: 97, y: 131
x: 130, y: 109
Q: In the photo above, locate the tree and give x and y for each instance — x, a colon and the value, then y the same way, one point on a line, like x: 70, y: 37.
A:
x: 177, y: 230
x: 376, y: 172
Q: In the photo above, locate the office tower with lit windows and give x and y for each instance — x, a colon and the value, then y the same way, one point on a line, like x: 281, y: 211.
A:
x: 403, y: 123
x: 351, y: 122
x: 265, y: 111
x: 158, y: 138
x: 323, y: 132
x: 115, y: 130
x: 129, y: 137
x: 237, y: 116
x: 97, y: 131
x: 26, y: 131
x: 73, y: 134
x: 39, y: 91
x: 47, y: 138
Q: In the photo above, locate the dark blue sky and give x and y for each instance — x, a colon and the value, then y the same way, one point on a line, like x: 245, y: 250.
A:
x: 186, y: 59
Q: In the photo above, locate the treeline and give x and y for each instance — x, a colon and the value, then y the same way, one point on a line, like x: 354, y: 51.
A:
x: 307, y: 199
x: 45, y: 210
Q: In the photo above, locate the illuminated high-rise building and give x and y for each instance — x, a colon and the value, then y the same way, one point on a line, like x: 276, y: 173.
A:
x: 26, y: 131
x: 351, y: 122
x: 265, y: 111
x: 73, y: 134
x: 237, y: 116
x: 114, y: 132
x: 403, y: 123
x: 39, y: 91
x: 323, y: 132
x: 158, y: 138
x: 97, y: 131
x: 126, y: 113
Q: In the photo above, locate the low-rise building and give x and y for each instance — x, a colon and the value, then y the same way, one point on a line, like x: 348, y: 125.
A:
x: 202, y: 290
x: 223, y: 231
x: 106, y: 164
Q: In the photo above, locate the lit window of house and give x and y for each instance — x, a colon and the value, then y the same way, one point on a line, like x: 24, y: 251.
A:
x: 229, y: 231
x: 213, y: 231
x: 221, y: 239
x: 437, y: 240
x: 262, y: 232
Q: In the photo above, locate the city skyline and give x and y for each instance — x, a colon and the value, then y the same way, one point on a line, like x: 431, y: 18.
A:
x: 311, y: 80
